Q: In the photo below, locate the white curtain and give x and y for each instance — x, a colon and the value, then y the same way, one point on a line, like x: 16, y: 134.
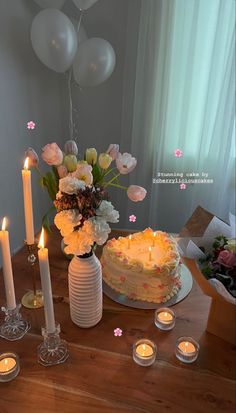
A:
x: 184, y: 98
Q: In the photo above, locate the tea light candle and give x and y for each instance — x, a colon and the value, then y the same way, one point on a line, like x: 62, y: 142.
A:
x: 129, y: 241
x: 164, y: 319
x: 9, y: 366
x: 144, y: 352
x: 150, y: 253
x: 187, y: 349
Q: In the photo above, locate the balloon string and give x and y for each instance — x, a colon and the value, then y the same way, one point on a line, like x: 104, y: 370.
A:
x: 71, y: 124
x: 80, y: 19
x: 70, y: 104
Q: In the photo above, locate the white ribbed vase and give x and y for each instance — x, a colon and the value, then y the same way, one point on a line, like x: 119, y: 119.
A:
x: 85, y: 291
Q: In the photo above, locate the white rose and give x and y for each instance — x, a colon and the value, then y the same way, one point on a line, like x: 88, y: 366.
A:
x: 107, y: 211
x: 100, y: 229
x: 70, y: 185
x: 65, y: 221
x: 78, y: 242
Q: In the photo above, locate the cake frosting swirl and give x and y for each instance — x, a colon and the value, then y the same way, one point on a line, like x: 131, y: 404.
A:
x: 132, y: 269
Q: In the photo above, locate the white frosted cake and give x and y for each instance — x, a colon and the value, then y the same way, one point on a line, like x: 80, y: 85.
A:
x: 144, y: 266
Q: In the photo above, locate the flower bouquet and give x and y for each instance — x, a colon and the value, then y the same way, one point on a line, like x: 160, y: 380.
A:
x: 78, y: 190
x: 219, y: 265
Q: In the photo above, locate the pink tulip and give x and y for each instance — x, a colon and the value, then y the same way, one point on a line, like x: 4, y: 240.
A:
x: 136, y: 193
x: 62, y: 171
x: 113, y: 150
x: 52, y: 154
x: 125, y: 163
x: 33, y: 157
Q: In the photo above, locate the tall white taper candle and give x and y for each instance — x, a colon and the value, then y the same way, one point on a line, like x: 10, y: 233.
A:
x: 46, y: 285
x: 7, y: 267
x: 29, y: 220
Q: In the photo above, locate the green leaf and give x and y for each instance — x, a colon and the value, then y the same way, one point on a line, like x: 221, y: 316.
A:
x: 56, y: 176
x: 41, y: 181
x: 51, y: 185
x: 97, y: 174
x: 46, y: 223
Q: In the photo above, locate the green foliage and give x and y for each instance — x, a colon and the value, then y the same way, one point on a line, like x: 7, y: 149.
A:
x: 97, y: 174
x: 219, y: 242
x: 208, y: 272
x: 46, y: 223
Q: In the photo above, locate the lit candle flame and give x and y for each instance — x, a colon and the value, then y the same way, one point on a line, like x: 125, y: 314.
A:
x: 26, y: 164
x: 41, y: 240
x: 4, y: 223
x: 154, y: 237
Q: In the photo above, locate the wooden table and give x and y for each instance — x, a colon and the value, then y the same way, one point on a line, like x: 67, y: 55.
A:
x: 100, y: 375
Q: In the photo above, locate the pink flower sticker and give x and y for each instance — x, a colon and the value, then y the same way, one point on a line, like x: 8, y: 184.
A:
x: 178, y: 153
x: 118, y: 332
x: 183, y: 186
x: 30, y: 125
x: 132, y: 218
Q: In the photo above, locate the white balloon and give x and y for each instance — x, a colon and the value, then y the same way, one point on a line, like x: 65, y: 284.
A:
x: 94, y: 62
x: 54, y: 39
x: 54, y: 4
x: 84, y: 4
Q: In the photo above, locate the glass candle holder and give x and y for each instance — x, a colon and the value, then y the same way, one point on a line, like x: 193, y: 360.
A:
x: 187, y: 349
x: 53, y: 350
x: 164, y: 318
x: 144, y: 352
x: 9, y: 366
x: 14, y: 326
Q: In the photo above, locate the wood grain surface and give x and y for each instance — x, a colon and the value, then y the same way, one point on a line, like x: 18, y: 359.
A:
x: 100, y: 375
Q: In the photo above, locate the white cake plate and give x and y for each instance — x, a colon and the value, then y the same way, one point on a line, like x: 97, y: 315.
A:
x: 186, y: 286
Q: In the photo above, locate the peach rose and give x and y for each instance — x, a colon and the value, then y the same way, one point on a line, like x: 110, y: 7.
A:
x: 226, y: 258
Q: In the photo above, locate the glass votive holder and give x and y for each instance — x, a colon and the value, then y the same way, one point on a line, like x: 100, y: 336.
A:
x: 164, y: 318
x: 9, y: 366
x: 187, y: 349
x: 144, y: 352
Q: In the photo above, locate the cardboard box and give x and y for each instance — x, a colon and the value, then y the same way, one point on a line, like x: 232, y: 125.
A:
x: 222, y: 314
